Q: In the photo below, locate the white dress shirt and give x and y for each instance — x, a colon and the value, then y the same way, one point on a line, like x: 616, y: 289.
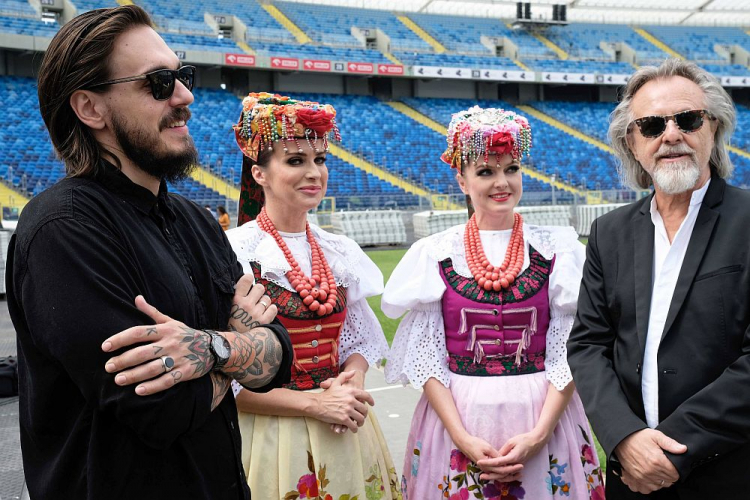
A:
x: 667, y: 263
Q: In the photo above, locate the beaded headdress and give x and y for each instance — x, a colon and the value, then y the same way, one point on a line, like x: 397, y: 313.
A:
x: 478, y: 132
x: 268, y: 118
x: 271, y: 118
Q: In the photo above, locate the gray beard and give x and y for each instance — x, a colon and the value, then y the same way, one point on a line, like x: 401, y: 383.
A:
x: 677, y: 178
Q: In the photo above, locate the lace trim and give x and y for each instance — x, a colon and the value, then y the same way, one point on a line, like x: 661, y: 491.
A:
x: 289, y: 303
x: 527, y: 284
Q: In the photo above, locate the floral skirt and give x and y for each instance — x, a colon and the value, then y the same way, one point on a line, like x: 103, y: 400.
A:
x: 496, y: 409
x: 293, y: 458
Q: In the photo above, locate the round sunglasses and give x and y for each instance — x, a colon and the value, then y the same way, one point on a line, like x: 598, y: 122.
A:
x: 162, y: 81
x: 687, y: 121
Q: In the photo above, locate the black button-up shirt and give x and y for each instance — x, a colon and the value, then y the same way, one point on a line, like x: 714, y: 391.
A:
x: 82, y: 252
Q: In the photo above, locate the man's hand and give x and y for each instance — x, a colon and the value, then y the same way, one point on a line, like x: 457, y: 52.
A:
x: 187, y: 347
x: 645, y: 467
x: 250, y: 308
x: 341, y: 404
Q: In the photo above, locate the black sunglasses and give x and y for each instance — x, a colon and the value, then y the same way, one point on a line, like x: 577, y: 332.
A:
x: 687, y: 121
x: 162, y: 81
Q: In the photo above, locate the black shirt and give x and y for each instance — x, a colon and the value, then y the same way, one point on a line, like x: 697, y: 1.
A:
x: 82, y: 252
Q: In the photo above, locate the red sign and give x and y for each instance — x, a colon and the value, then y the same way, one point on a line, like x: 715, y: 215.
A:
x: 355, y: 67
x: 390, y: 69
x: 284, y: 63
x: 239, y: 60
x: 316, y: 65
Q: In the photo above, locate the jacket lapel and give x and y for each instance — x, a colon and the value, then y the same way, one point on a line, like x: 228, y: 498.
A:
x: 643, y: 260
x: 704, y: 226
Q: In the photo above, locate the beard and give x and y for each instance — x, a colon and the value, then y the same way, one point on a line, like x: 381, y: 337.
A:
x: 677, y: 177
x: 147, y: 150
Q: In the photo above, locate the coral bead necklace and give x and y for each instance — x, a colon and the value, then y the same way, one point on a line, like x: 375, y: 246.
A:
x: 488, y: 276
x: 318, y: 291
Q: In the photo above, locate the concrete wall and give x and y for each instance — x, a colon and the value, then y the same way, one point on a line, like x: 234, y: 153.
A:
x: 461, y: 89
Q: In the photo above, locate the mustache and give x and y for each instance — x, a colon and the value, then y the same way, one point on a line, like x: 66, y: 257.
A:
x: 178, y: 114
x: 682, y: 149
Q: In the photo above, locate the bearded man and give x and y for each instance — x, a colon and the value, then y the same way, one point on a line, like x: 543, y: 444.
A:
x: 104, y: 251
x: 660, y: 350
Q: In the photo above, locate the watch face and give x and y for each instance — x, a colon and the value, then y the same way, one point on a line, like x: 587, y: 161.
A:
x: 221, y: 347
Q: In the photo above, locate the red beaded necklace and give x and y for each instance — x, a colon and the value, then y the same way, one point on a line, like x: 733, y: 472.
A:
x: 488, y: 276
x: 318, y: 291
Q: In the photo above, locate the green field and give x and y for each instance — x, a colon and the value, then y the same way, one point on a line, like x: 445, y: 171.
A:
x: 386, y: 260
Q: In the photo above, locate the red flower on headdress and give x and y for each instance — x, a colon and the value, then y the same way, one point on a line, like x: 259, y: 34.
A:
x: 318, y: 120
x: 501, y: 143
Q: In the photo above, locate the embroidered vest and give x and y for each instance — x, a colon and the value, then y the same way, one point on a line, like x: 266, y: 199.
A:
x: 497, y: 333
x: 315, y: 339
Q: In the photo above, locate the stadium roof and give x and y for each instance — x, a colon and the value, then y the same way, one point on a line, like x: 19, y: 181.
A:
x: 646, y: 12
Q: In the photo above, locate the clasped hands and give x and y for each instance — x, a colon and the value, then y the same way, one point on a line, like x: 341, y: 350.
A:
x: 645, y: 467
x: 505, y: 464
x: 343, y: 402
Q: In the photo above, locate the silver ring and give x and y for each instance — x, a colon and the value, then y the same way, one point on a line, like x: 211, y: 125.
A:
x: 168, y: 363
x: 265, y: 304
x: 662, y: 483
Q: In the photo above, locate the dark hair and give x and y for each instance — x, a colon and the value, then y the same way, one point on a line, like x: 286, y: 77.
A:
x: 221, y: 209
x: 79, y: 56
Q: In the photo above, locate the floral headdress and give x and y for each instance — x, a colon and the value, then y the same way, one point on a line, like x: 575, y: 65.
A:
x: 268, y: 118
x: 271, y: 118
x: 478, y: 132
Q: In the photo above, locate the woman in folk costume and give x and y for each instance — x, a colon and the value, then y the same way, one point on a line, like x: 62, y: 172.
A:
x: 490, y: 306
x: 314, y: 438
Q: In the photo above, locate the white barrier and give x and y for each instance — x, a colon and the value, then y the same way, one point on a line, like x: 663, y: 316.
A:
x: 376, y: 227
x: 587, y: 213
x: 4, y: 242
x: 433, y: 221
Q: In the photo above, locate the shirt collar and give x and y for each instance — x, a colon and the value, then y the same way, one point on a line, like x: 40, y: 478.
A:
x: 695, y: 199
x: 141, y: 198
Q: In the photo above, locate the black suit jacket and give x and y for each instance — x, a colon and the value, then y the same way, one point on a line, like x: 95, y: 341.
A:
x: 704, y: 355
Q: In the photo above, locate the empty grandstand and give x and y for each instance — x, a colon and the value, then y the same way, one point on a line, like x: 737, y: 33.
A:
x: 396, y: 71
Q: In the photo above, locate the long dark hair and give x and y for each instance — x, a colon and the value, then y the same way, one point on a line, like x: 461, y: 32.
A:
x: 79, y: 56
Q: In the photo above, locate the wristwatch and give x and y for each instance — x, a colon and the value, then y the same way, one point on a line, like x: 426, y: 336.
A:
x: 220, y: 349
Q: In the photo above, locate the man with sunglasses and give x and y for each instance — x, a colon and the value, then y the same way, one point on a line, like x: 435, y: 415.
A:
x: 660, y: 350
x: 104, y: 251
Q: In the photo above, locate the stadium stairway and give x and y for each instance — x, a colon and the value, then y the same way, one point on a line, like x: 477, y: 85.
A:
x: 244, y: 46
x: 11, y: 198
x: 739, y: 151
x: 287, y: 23
x: 392, y: 58
x: 521, y: 65
x: 437, y: 46
x: 658, y: 43
x: 216, y: 183
x: 564, y: 56
x: 440, y: 129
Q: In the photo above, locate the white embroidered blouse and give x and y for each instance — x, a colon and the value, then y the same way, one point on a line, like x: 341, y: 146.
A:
x: 419, y: 352
x: 361, y: 332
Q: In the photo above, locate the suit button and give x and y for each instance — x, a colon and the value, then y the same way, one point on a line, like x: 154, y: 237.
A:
x: 315, y: 343
x: 318, y: 328
x: 638, y: 369
x: 315, y: 359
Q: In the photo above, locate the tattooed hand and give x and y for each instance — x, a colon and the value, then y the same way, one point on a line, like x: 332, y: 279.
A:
x: 186, y: 346
x: 250, y: 308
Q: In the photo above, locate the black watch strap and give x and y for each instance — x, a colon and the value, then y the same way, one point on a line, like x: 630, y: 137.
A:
x: 219, y: 348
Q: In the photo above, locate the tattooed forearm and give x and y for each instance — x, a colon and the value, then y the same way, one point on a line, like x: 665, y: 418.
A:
x: 239, y: 315
x: 250, y: 365
x: 200, y: 356
x: 221, y: 385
